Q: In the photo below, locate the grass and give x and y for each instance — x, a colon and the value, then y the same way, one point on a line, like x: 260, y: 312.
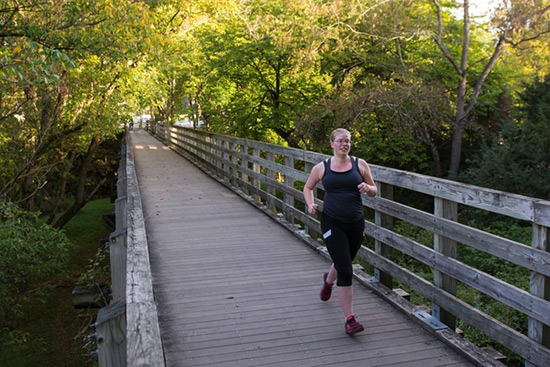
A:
x: 52, y: 332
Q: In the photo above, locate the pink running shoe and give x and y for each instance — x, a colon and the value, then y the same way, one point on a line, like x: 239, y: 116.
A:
x: 352, y: 326
x: 326, y: 291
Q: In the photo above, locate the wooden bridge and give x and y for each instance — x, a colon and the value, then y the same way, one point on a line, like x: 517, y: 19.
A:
x: 214, y: 263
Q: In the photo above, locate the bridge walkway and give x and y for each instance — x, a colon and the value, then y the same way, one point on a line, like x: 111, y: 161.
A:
x: 235, y: 288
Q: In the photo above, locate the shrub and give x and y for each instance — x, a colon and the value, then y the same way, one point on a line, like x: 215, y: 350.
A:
x: 30, y: 251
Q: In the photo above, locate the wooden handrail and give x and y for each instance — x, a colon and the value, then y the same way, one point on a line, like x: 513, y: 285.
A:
x: 273, y: 175
x: 128, y: 329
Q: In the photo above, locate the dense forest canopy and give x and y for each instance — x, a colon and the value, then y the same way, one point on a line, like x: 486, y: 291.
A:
x: 422, y: 85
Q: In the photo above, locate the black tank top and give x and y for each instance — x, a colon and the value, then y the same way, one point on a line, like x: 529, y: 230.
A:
x: 342, y: 198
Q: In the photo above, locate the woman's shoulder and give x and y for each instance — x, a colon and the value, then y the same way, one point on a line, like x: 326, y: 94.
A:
x: 319, y: 168
x: 363, y: 165
x: 323, y: 163
x: 360, y: 162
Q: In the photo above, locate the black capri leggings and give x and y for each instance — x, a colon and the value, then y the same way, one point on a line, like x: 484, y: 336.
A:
x: 343, y: 241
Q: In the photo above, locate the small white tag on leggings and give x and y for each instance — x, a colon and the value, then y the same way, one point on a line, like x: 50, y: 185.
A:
x: 327, y: 234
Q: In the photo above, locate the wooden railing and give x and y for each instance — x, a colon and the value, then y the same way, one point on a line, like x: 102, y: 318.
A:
x: 127, y: 330
x: 272, y: 177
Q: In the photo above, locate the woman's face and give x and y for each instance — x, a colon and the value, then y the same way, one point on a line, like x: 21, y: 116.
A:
x: 341, y: 143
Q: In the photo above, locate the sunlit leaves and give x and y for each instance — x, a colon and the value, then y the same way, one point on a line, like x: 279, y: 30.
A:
x: 64, y: 69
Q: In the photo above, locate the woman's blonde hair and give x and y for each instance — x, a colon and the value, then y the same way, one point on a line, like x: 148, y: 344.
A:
x: 338, y: 132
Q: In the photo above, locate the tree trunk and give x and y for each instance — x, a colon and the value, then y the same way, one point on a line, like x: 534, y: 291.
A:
x: 460, y: 120
x: 62, y: 192
x: 459, y: 125
x: 80, y: 199
x: 456, y: 150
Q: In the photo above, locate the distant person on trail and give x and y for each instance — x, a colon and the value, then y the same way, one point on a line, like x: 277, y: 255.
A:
x: 344, y: 179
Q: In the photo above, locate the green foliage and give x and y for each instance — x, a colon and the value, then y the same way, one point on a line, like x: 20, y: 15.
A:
x: 51, y: 332
x: 66, y: 78
x: 499, y: 268
x: 262, y: 70
x: 30, y: 252
x: 502, y: 226
x: 518, y: 161
x: 98, y: 271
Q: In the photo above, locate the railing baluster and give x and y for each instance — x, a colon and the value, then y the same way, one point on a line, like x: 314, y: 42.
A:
x: 539, y: 286
x: 256, y: 169
x: 270, y: 156
x: 244, y: 164
x: 385, y: 221
x: 307, y: 168
x: 448, y: 210
x: 234, y: 179
x: 289, y: 181
x: 226, y: 158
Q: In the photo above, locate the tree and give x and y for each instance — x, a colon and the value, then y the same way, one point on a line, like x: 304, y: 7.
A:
x: 65, y: 65
x: 432, y: 95
x: 519, y: 160
x: 261, y: 69
x: 514, y: 23
x: 385, y: 84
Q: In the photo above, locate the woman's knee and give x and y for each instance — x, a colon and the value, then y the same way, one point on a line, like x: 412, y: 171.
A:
x: 345, y: 276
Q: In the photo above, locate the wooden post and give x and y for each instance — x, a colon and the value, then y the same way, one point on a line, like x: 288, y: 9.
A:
x: 270, y: 156
x: 111, y: 335
x: 165, y: 134
x: 191, y: 142
x: 289, y: 181
x: 539, y: 286
x: 121, y: 181
x: 199, y: 145
x: 307, y: 168
x: 448, y: 210
x: 216, y: 143
x: 226, y: 159
x: 117, y: 256
x: 120, y: 213
x: 214, y: 152
x: 235, y: 169
x: 170, y: 141
x: 256, y: 168
x: 385, y: 221
x: 206, y: 147
x: 117, y: 248
x: 244, y: 164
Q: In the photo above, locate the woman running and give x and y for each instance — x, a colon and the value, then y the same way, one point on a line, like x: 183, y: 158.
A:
x: 344, y: 179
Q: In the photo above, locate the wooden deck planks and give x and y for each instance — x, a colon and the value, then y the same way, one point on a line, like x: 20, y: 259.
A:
x: 234, y: 288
